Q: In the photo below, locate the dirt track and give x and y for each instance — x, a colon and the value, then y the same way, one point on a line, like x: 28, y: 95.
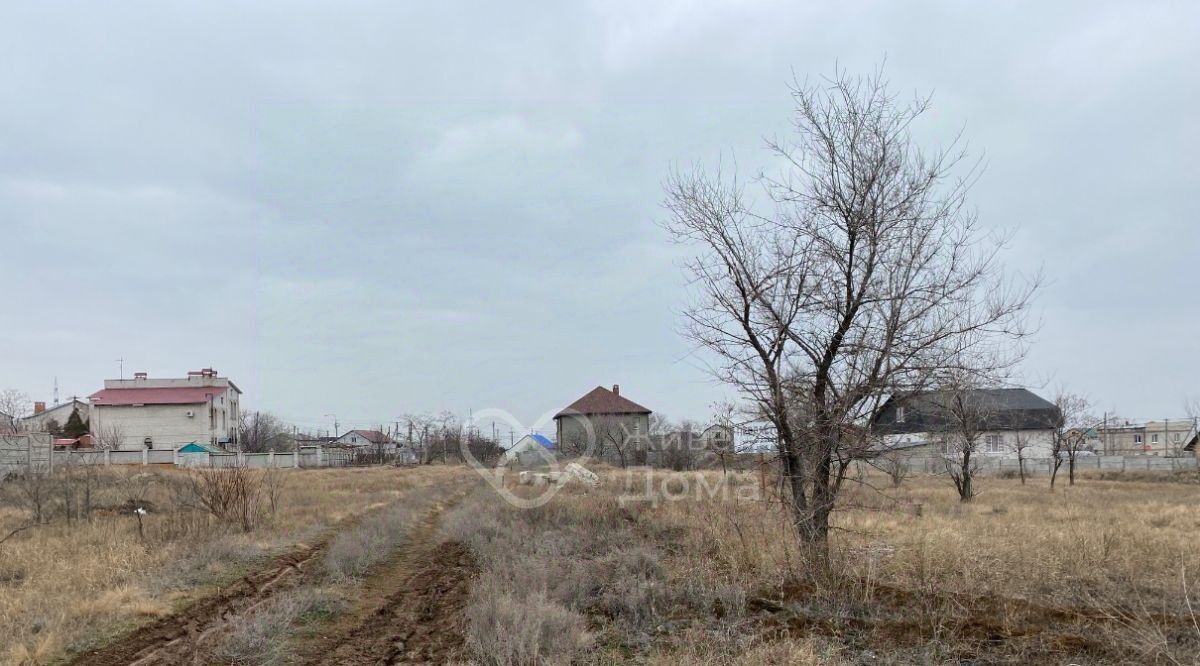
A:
x: 421, y: 622
x: 410, y: 610
x: 164, y: 640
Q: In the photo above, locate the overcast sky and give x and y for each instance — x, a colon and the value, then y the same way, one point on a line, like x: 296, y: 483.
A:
x: 370, y: 209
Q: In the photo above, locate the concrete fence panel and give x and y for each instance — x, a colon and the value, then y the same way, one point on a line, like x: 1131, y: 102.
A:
x: 160, y: 456
x: 125, y: 457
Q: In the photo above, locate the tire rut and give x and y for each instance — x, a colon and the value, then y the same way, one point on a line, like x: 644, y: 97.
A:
x: 421, y: 620
x: 154, y: 643
x: 175, y: 638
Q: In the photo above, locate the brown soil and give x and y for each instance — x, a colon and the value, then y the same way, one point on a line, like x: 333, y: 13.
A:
x: 166, y: 639
x: 178, y: 637
x: 895, y: 617
x: 411, y: 611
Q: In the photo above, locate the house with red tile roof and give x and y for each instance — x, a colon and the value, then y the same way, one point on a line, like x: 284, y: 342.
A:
x: 167, y: 413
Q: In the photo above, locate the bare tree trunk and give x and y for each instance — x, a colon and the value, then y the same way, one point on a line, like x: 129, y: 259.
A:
x: 1021, y: 466
x: 1071, y: 470
x: 966, y: 490
x: 1054, y: 471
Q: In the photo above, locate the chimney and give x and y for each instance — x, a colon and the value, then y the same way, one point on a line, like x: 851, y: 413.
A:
x: 617, y: 389
x: 139, y: 375
x: 39, y: 407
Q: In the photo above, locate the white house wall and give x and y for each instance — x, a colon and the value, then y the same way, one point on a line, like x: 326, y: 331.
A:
x: 168, y: 426
x: 1038, y: 443
x: 37, y: 422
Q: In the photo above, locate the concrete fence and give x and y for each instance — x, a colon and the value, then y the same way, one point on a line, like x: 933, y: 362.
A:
x: 1044, y: 466
x: 306, y: 456
x: 31, y: 451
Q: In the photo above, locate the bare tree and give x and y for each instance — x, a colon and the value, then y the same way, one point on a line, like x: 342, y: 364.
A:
x: 895, y: 466
x: 611, y: 434
x: 969, y: 416
x: 719, y: 437
x: 109, y: 437
x: 274, y: 481
x: 1193, y: 411
x: 35, y: 490
x: 1021, y: 442
x: 681, y: 447
x: 13, y: 405
x: 1069, y: 433
x: 262, y: 432
x: 862, y: 274
x: 419, y: 426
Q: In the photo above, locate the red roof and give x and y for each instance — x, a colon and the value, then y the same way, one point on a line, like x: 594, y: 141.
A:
x: 84, y: 442
x: 602, y: 401
x: 175, y: 395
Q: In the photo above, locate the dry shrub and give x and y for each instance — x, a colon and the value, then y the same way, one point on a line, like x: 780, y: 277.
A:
x: 507, y: 628
x: 703, y: 648
x: 258, y: 638
x: 233, y: 495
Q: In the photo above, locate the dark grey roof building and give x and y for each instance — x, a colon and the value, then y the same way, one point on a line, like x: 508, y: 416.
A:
x: 1000, y: 409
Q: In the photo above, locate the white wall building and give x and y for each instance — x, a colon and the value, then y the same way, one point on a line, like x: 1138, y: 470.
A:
x: 168, y: 413
x: 42, y: 415
x: 1010, y: 420
x: 372, y: 439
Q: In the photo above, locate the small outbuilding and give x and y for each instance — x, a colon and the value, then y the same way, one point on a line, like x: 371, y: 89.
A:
x: 531, y: 447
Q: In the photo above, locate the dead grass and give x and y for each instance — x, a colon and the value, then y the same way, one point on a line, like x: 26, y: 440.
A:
x: 258, y: 638
x: 667, y: 568
x: 1101, y: 572
x: 65, y: 587
x: 354, y: 551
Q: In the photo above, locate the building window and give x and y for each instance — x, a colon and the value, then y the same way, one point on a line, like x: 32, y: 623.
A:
x: 1175, y: 437
x: 994, y: 443
x: 1154, y: 439
x: 1137, y: 439
x: 899, y: 415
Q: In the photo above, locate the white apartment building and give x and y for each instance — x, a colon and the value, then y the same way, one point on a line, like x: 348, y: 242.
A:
x: 167, y: 413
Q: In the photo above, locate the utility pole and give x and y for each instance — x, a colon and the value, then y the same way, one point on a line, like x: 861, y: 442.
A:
x: 335, y: 425
x: 121, y: 367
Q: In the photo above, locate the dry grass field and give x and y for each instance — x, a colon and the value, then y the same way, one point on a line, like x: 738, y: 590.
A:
x: 431, y: 566
x: 66, y: 587
x: 1102, y: 572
